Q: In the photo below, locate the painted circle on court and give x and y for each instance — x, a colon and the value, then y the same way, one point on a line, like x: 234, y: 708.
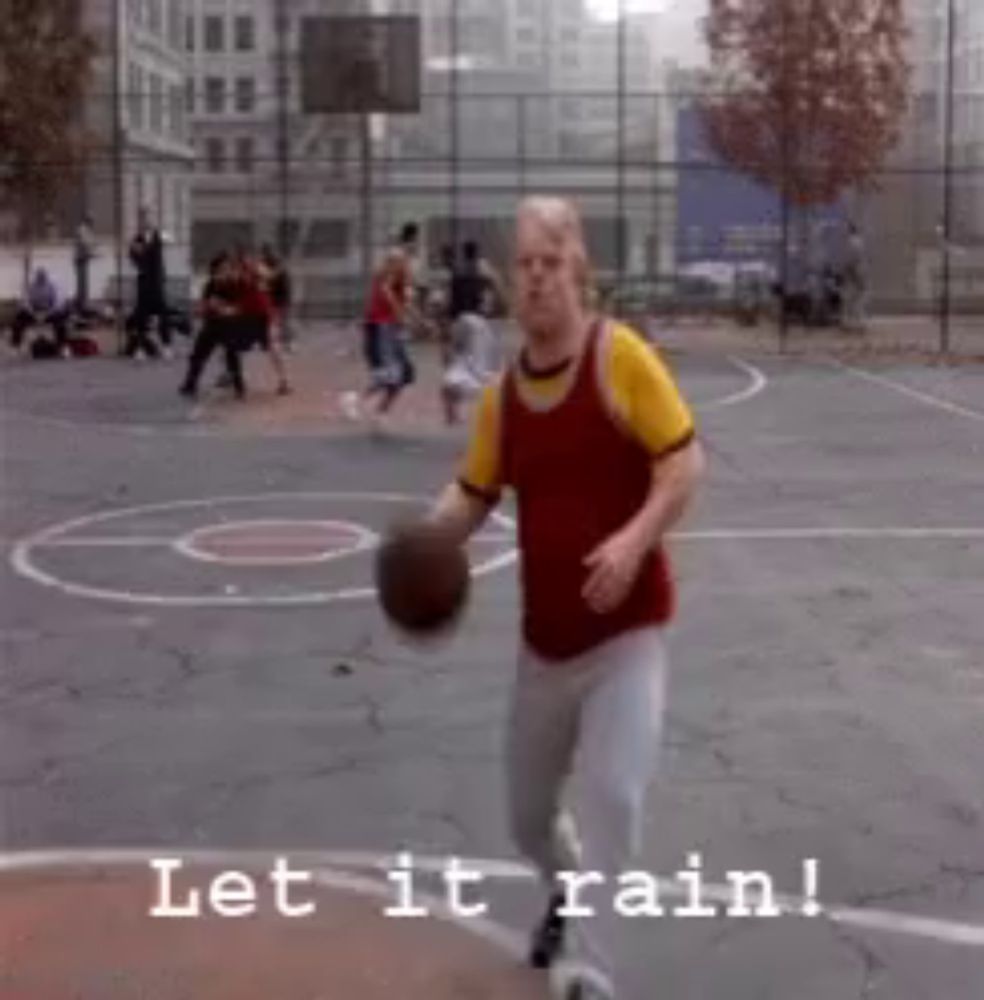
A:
x: 269, y: 549
x: 272, y: 542
x: 71, y: 918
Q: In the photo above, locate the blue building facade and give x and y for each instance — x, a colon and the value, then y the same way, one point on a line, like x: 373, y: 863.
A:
x: 723, y: 217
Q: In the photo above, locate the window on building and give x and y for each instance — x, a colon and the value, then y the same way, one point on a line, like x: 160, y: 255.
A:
x: 339, y: 156
x: 245, y: 94
x: 155, y: 20
x: 190, y: 34
x: 215, y: 155
x: 245, y: 154
x: 570, y: 109
x: 215, y: 93
x: 214, y: 33
x: 156, y: 104
x: 135, y: 10
x: 135, y: 96
x: 189, y: 93
x: 176, y: 99
x: 526, y: 34
x: 245, y: 34
x: 174, y: 19
x: 327, y: 238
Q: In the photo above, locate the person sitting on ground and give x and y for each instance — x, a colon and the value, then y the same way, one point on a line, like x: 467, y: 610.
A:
x: 43, y: 305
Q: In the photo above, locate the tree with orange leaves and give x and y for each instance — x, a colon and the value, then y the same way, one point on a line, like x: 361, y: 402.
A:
x: 806, y: 96
x: 45, y: 68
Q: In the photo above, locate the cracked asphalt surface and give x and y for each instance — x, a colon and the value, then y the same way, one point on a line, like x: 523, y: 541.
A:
x: 826, y: 701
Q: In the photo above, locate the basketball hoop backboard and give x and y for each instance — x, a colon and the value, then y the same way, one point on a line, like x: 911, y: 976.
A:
x: 361, y: 65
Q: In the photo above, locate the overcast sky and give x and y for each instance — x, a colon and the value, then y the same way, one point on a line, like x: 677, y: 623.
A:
x: 680, y: 37
x: 609, y: 8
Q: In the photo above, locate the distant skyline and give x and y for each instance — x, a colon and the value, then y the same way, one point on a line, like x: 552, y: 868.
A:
x: 679, y: 35
x: 607, y: 10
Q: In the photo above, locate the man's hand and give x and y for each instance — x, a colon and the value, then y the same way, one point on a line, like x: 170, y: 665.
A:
x: 614, y: 567
x: 459, y: 513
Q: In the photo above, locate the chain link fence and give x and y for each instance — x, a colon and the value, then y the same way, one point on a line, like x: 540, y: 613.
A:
x: 213, y: 139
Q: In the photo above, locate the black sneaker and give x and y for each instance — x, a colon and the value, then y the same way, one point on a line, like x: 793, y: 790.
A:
x: 548, y: 938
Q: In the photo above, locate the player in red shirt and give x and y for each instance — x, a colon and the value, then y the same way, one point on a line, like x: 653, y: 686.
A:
x: 259, y: 311
x: 390, y: 311
x: 592, y: 436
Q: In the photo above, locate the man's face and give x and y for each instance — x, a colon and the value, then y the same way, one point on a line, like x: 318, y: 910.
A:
x: 548, y: 296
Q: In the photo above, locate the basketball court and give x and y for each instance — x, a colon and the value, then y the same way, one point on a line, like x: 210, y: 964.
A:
x: 195, y: 668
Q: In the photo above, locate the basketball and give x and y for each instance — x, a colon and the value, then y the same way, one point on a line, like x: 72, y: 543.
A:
x: 422, y: 578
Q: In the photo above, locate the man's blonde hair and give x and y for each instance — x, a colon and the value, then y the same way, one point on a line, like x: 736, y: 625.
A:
x: 562, y: 220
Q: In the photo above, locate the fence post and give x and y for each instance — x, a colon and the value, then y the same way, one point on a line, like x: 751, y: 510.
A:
x: 947, y: 226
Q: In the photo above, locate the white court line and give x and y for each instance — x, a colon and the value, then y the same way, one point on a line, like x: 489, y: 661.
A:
x: 497, y: 935
x: 21, y: 558
x: 270, y: 431
x: 923, y: 397
x: 136, y: 541
x: 110, y: 541
x: 757, y: 384
x: 939, y: 930
x: 806, y: 534
x: 190, y: 545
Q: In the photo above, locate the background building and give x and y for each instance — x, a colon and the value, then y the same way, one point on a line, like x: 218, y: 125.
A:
x: 516, y: 97
x: 139, y: 83
x: 265, y: 171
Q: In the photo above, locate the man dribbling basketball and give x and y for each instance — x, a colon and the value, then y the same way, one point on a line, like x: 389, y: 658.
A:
x: 591, y: 433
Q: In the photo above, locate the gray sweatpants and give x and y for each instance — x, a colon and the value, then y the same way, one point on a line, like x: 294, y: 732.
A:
x: 586, y: 731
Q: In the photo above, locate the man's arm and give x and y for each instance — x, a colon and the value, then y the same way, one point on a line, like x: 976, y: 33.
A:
x: 616, y: 562
x: 459, y: 512
x: 465, y: 503
x: 673, y: 486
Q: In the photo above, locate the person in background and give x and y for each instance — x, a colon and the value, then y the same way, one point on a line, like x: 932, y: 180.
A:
x: 439, y: 297
x: 147, y: 257
x: 220, y: 310
x: 259, y: 314
x: 853, y: 284
x: 389, y: 312
x: 474, y: 353
x: 83, y: 253
x: 419, y: 283
x: 43, y: 305
x: 280, y: 287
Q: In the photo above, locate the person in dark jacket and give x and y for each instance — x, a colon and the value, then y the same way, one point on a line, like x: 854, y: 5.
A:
x: 147, y: 257
x: 221, y: 310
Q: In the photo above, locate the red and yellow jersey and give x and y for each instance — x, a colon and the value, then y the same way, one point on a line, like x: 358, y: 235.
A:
x: 637, y: 386
x: 577, y: 446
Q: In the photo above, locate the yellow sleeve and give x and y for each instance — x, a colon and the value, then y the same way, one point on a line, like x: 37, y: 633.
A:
x: 480, y: 472
x: 643, y: 394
